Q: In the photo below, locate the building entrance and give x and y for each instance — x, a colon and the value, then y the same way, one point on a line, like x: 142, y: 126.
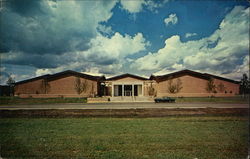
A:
x: 127, y: 90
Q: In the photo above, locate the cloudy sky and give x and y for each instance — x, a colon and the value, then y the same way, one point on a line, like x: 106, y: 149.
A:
x: 111, y: 37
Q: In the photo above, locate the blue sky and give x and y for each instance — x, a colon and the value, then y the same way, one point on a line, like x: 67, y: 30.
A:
x: 141, y: 37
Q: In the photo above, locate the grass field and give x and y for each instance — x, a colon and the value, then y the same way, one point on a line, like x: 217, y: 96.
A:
x: 236, y: 99
x: 125, y: 138
x: 17, y: 100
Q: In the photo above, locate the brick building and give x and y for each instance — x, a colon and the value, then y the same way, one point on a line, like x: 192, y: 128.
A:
x: 195, y: 84
x: 183, y: 83
x: 63, y: 84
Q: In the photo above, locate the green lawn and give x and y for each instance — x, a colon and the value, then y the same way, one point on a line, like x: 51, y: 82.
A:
x: 128, y: 138
x: 237, y: 99
x: 17, y: 100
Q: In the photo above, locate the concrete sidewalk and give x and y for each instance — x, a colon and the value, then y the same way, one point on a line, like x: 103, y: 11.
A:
x: 125, y: 106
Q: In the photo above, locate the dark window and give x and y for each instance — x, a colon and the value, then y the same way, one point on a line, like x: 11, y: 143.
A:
x: 135, y: 90
x: 120, y: 90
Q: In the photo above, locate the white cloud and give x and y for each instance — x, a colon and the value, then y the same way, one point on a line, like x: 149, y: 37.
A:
x: 168, y: 55
x: 40, y: 72
x: 94, y: 71
x: 105, y: 29
x: 163, y: 72
x: 16, y: 77
x: 71, y: 25
x: 221, y: 52
x: 2, y: 69
x: 52, y: 22
x: 73, y: 65
x: 117, y: 46
x: 152, y: 5
x: 129, y: 60
x: 105, y: 56
x: 136, y: 6
x: 239, y: 70
x: 132, y: 6
x: 187, y: 35
x: 172, y: 18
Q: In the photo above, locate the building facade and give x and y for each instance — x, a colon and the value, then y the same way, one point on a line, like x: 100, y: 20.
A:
x: 185, y: 83
x: 63, y: 84
x: 195, y: 84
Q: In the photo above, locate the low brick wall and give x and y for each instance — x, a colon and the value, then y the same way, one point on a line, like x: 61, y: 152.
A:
x: 196, y: 95
x: 98, y: 100
x: 50, y: 96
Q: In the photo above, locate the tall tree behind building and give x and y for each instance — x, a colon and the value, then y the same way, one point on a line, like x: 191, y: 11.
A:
x: 244, y: 85
x: 11, y: 83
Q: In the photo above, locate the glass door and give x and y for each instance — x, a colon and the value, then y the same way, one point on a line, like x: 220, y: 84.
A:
x: 127, y: 90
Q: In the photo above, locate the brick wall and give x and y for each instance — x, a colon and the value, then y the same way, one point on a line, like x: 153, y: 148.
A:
x: 33, y: 87
x: 230, y: 88
x: 147, y: 87
x: 67, y: 86
x: 60, y: 87
x: 196, y: 87
x: 192, y: 87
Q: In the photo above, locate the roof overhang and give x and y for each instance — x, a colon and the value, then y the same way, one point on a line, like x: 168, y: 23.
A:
x: 125, y: 76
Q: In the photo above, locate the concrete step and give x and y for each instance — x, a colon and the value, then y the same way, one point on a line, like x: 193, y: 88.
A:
x: 131, y: 99
x: 98, y: 100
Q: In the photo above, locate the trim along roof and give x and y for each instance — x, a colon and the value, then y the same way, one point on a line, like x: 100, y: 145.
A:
x: 63, y: 74
x: 126, y: 75
x: 205, y: 76
x: 178, y: 74
x: 221, y: 78
x: 33, y: 79
x: 67, y: 73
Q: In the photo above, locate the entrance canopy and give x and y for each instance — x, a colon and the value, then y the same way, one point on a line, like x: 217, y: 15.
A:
x: 127, y: 85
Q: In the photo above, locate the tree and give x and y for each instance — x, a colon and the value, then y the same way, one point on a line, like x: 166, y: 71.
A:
x: 80, y: 86
x: 174, y: 87
x: 211, y: 88
x: 45, y: 86
x: 151, y: 90
x: 11, y: 83
x: 178, y: 85
x: 244, y: 85
x: 92, y: 90
x: 221, y: 87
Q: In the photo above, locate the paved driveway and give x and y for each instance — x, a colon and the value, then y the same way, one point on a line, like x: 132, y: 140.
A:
x: 125, y: 106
